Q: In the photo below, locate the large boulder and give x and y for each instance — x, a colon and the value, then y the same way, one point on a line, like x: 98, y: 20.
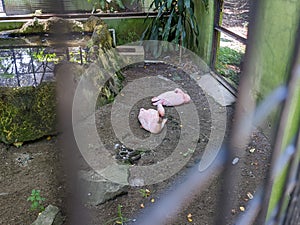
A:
x: 27, y: 113
x: 97, y: 189
x: 53, y: 25
x: 91, y: 23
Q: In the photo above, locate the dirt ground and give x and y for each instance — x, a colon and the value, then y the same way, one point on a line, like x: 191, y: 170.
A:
x: 253, y: 165
x: 34, y: 165
x: 37, y: 165
x: 236, y: 16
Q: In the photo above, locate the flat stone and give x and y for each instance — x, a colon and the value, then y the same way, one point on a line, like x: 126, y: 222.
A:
x: 50, y: 216
x: 96, y: 189
x: 214, y: 89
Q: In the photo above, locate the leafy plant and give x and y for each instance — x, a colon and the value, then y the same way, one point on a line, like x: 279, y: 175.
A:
x: 129, y: 37
x: 145, y: 192
x: 228, y: 63
x: 105, y: 4
x: 42, y: 56
x: 120, y: 219
x: 36, y: 200
x: 175, y: 22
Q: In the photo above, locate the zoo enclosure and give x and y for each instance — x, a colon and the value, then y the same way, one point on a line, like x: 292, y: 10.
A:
x: 285, y: 165
x: 289, y: 156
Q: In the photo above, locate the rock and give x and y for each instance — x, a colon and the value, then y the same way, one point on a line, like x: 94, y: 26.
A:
x: 53, y: 25
x: 97, y: 189
x: 56, y: 25
x: 91, y: 23
x: 27, y: 113
x: 51, y: 216
x: 32, y: 26
x: 102, y: 37
x: 235, y: 161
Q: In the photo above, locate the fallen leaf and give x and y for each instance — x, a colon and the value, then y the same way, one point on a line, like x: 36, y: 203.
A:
x: 189, y: 217
x: 18, y: 144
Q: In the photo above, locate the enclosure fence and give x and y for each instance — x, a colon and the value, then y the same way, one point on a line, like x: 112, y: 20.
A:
x: 287, y: 209
x: 32, y: 65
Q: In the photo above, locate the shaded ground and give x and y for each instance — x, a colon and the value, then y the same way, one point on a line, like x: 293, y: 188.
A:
x: 202, y: 206
x: 44, y: 171
x: 32, y: 166
x: 236, y: 16
x: 37, y: 165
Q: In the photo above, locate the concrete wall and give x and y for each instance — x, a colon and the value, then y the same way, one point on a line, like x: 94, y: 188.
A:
x: 205, y: 20
x: 127, y: 29
x: 275, y: 42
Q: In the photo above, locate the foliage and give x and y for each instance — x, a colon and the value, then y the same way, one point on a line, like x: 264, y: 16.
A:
x: 145, y: 192
x: 129, y: 37
x: 105, y: 4
x: 5, y: 63
x: 36, y: 200
x: 42, y: 56
x: 179, y: 27
x: 228, y: 63
x: 120, y: 219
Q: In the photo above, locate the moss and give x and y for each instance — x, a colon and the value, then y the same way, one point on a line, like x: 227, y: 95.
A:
x: 10, y: 25
x: 33, y: 26
x: 27, y: 113
x: 53, y: 25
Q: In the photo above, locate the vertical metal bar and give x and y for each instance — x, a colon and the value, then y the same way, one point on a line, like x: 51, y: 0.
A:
x: 67, y: 53
x: 44, y: 71
x: 253, y: 209
x: 16, y: 67
x: 289, y: 185
x: 81, y: 60
x: 291, y: 83
x: 218, y: 4
x: 32, y: 64
x: 3, y: 6
x: 292, y: 207
x: 242, y: 127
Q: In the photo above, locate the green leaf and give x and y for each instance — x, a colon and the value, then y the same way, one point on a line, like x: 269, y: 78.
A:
x: 102, y: 4
x: 120, y: 4
x: 178, y: 30
x: 169, y: 4
x: 167, y: 29
x: 180, y: 6
x: 157, y: 2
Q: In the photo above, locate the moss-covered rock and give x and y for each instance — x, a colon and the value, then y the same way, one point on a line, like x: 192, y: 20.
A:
x: 27, y: 113
x: 53, y: 25
x: 91, y: 23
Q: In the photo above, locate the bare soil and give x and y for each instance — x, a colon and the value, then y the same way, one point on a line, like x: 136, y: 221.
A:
x: 38, y: 165
x: 34, y: 165
x: 43, y: 169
